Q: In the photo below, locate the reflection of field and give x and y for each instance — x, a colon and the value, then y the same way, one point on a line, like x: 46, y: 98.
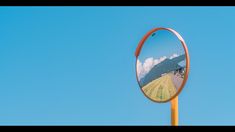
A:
x: 160, y: 89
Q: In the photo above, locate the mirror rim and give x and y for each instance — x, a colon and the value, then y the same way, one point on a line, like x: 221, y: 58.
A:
x: 138, y: 50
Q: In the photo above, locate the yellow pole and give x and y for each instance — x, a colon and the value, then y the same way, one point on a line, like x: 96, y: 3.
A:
x: 174, y: 111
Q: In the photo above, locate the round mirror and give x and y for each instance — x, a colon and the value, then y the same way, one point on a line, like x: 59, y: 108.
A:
x: 162, y: 64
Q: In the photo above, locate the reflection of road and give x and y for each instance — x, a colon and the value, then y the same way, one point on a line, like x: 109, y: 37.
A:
x: 161, y: 89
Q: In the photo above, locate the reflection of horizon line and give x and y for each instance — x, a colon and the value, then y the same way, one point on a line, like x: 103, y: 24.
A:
x: 160, y: 57
x: 180, y: 60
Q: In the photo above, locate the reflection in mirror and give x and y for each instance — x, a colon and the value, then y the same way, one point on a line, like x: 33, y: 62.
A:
x: 161, y: 66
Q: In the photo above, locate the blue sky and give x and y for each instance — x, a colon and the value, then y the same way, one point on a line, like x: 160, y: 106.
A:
x: 76, y: 65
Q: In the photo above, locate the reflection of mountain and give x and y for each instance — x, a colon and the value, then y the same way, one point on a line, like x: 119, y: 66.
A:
x: 165, y: 66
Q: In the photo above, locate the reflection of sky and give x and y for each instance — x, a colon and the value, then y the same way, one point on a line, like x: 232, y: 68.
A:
x: 163, y: 43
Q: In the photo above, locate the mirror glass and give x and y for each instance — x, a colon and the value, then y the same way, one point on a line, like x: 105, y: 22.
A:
x: 161, y: 66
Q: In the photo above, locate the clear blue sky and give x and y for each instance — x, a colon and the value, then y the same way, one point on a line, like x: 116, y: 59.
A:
x: 76, y: 65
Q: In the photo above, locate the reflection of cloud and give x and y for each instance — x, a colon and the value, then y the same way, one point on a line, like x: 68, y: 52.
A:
x: 149, y: 63
x: 173, y: 56
x: 140, y: 69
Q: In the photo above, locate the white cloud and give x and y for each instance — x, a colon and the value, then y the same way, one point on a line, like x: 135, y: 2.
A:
x: 149, y: 63
x: 157, y: 61
x: 173, y: 56
x: 140, y: 70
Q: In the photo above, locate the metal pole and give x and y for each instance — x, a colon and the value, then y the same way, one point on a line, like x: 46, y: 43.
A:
x: 174, y: 111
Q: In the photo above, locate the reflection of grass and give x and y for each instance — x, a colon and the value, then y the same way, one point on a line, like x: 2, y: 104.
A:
x: 160, y: 89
